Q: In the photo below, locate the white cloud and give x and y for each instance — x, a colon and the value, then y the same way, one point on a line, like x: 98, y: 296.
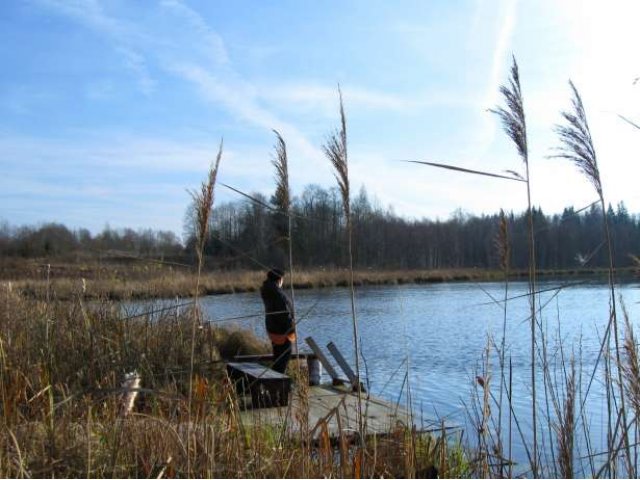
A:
x: 210, y: 41
x: 319, y: 98
x: 124, y: 35
x: 488, y: 125
x: 213, y: 76
x: 239, y: 100
x: 137, y: 64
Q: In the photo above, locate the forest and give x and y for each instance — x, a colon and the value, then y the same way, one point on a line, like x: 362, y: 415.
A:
x: 250, y: 233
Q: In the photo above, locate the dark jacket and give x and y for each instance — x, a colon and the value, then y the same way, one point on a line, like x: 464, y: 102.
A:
x: 277, y: 308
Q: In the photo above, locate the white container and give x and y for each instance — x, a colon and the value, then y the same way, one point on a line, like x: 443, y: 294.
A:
x: 315, y: 370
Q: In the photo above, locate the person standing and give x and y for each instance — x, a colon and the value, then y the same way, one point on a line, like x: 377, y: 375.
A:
x: 279, y: 319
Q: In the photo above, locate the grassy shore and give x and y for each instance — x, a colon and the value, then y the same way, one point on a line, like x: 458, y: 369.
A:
x: 65, y: 412
x: 153, y: 280
x: 66, y: 348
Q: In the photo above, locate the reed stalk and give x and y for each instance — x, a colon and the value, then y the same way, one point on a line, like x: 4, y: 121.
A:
x: 203, y: 205
x: 336, y: 151
x: 632, y: 365
x: 631, y: 370
x: 510, y: 471
x: 485, y: 383
x: 514, y: 124
x: 566, y: 425
x: 504, y: 253
x: 578, y: 147
x: 283, y: 200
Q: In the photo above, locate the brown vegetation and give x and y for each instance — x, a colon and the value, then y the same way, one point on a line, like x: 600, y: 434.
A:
x: 139, y: 281
x: 62, y: 364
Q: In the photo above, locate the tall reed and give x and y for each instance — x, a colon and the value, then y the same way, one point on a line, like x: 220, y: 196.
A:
x: 577, y: 146
x: 283, y: 201
x: 631, y: 370
x: 515, y: 126
x: 566, y: 425
x: 203, y: 205
x: 503, y: 248
x: 336, y: 151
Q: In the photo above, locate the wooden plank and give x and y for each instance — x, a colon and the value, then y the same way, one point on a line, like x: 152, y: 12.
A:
x: 257, y: 371
x: 323, y: 359
x: 343, y: 363
x: 263, y: 357
x: 327, y: 403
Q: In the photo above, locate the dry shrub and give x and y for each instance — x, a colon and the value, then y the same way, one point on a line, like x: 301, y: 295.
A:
x: 239, y: 342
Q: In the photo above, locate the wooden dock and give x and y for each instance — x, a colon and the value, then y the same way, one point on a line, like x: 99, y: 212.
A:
x: 331, y: 408
x: 336, y: 408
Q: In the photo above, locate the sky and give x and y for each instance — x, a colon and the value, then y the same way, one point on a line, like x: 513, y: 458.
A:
x: 111, y: 110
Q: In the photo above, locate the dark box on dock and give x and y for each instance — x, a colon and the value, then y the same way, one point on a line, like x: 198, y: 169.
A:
x: 267, y: 387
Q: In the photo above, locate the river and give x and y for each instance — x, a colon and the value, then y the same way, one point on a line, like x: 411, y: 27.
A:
x: 441, y: 331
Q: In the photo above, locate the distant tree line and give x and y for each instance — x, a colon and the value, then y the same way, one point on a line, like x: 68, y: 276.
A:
x: 248, y: 234
x: 252, y: 234
x: 56, y: 240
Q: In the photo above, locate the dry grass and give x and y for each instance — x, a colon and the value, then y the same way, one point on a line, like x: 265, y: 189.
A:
x: 62, y: 365
x: 121, y: 282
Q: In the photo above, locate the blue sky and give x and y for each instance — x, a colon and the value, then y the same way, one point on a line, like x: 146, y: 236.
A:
x: 110, y: 110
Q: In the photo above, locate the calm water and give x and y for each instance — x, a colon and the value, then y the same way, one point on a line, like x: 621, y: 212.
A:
x: 443, y: 329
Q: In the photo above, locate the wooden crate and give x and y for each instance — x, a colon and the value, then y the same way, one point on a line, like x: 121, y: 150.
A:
x: 267, y: 387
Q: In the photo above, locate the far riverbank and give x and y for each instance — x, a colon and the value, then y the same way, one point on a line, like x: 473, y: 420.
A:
x: 141, y: 281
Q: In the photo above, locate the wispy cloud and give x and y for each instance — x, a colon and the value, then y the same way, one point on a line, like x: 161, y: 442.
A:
x: 118, y: 179
x: 488, y: 126
x: 136, y: 63
x: 213, y: 75
x: 102, y: 153
x: 321, y: 98
x: 210, y: 41
x: 501, y: 50
x: 123, y: 34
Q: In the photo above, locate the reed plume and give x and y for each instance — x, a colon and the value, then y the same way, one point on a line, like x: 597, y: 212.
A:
x: 281, y: 164
x: 577, y: 146
x: 512, y: 115
x: 336, y: 151
x: 203, y: 204
x: 515, y: 126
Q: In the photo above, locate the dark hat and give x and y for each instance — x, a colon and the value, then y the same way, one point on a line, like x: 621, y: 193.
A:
x: 275, y: 274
